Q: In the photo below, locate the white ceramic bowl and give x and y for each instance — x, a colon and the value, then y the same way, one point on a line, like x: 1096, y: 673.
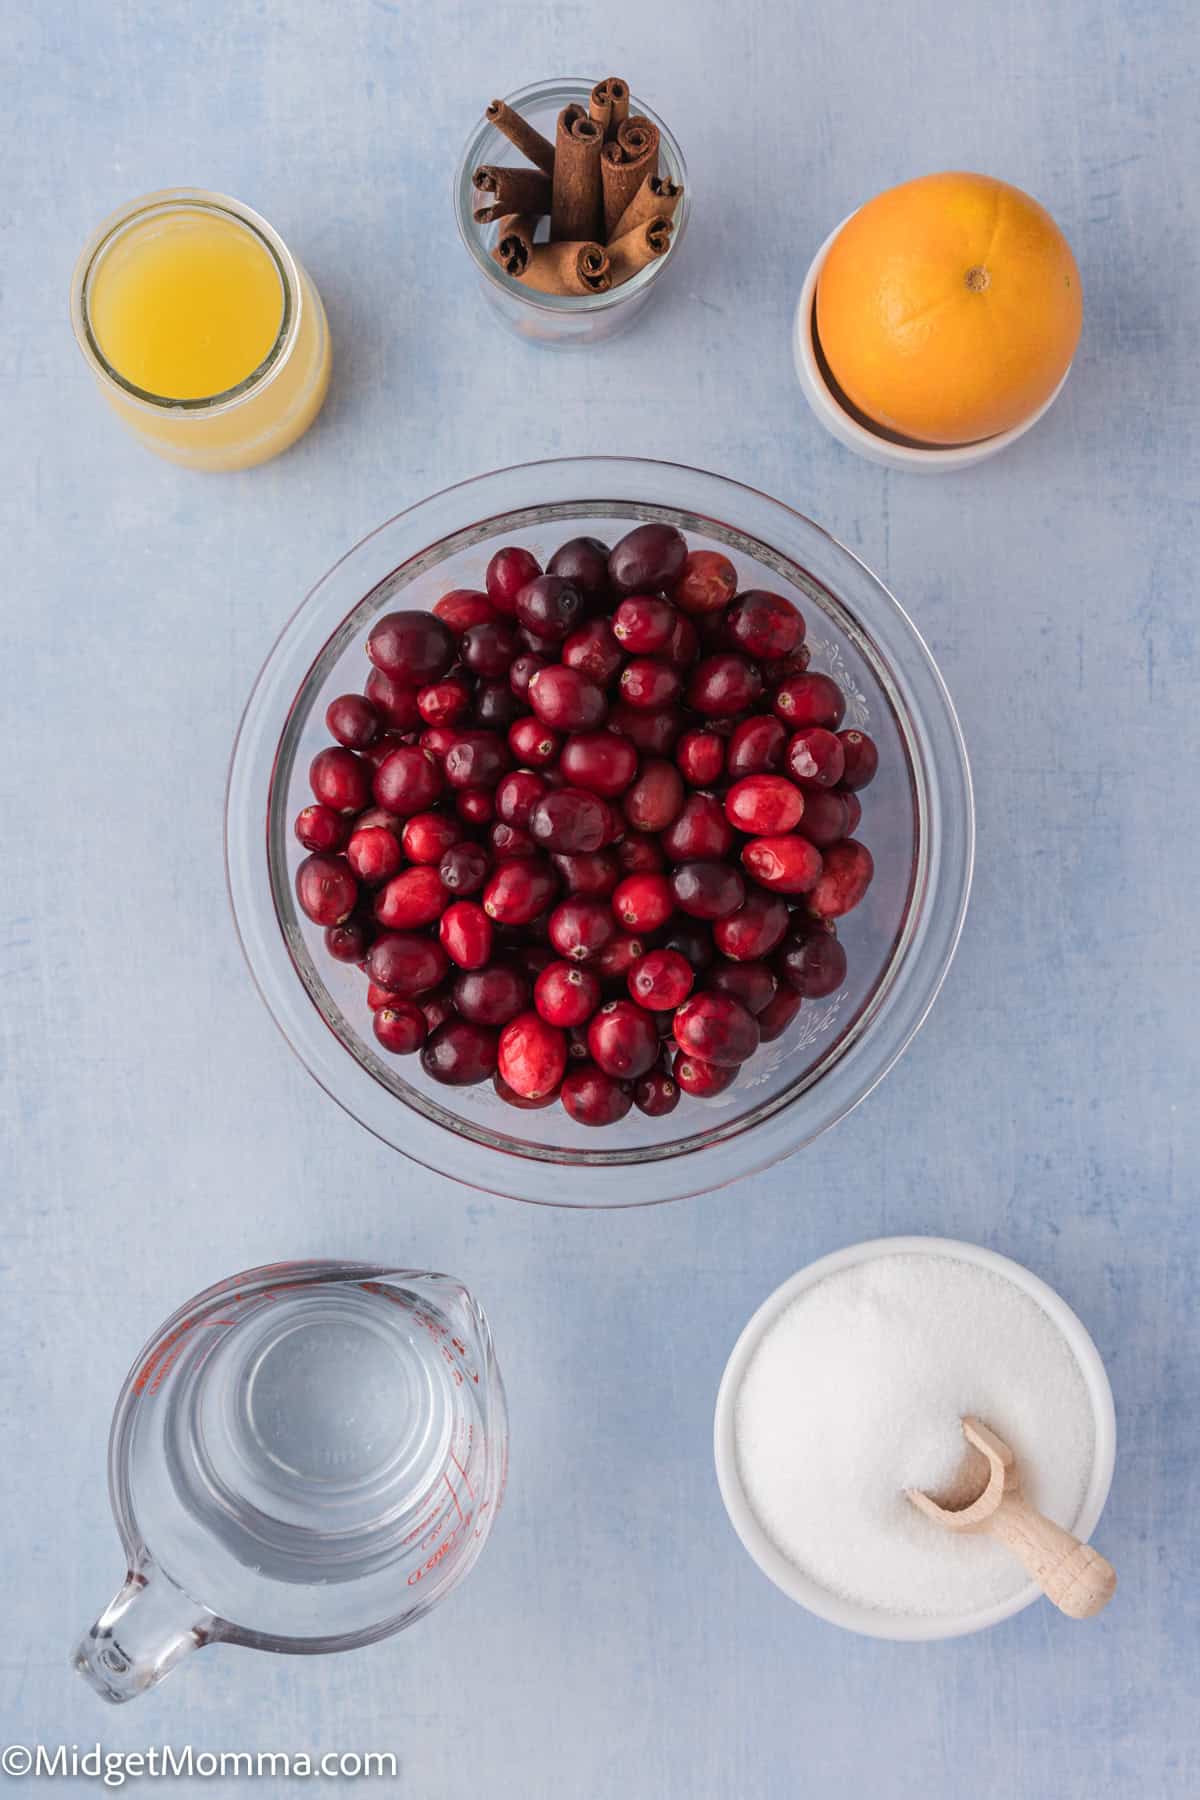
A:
x: 891, y: 452
x: 850, y: 1614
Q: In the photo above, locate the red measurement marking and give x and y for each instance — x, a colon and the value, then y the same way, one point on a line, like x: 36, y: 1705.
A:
x: 454, y: 1497
x: 463, y: 1473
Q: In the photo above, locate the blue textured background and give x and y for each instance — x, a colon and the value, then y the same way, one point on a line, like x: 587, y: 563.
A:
x: 615, y: 1641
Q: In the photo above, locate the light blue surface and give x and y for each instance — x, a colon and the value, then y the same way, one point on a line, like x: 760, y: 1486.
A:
x: 615, y: 1640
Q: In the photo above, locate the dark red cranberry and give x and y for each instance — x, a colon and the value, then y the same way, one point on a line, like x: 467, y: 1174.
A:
x: 844, y: 879
x: 707, y: 890
x: 643, y: 902
x: 512, y: 1098
x: 490, y: 649
x: 395, y: 701
x: 750, y: 982
x: 411, y: 899
x: 701, y: 758
x: 349, y: 941
x: 427, y: 836
x: 614, y: 962
x: 661, y: 980
x: 707, y: 584
x: 592, y: 875
x: 862, y: 759
x: 599, y: 761
x: 380, y: 996
x: 517, y: 795
x: 795, y: 664
x: 496, y: 706
x: 318, y: 827
x: 815, y: 758
x: 702, y: 1079
x: 684, y: 645
x: 407, y: 962
x: 465, y: 934
x: 533, y: 743
x: 699, y: 832
x: 757, y: 745
x: 566, y: 995
x: 400, y: 1027
x: 566, y: 699
x: 464, y: 868
x: 551, y: 607
x: 655, y: 1094
x: 594, y: 651
x: 638, y: 855
x: 812, y: 960
x: 518, y: 891
x: 413, y: 646
x: 491, y: 995
x: 522, y: 672
x: 854, y: 813
x: 507, y: 574
x: 577, y: 1050
x: 463, y: 607
x: 476, y: 759
x: 785, y: 865
x: 656, y: 797
x: 764, y: 805
x: 569, y: 820
x: 408, y: 781
x: 811, y: 699
x: 445, y: 702
x: 352, y: 720
x: 374, y: 854
x: 580, y: 929
x: 778, y: 1014
x: 654, y: 733
x: 437, y: 739
x: 693, y: 941
x: 764, y: 625
x: 594, y: 1098
x: 326, y: 889
x: 476, y: 806
x: 437, y: 1008
x: 716, y: 1028
x: 340, y: 780
x: 826, y: 817
x: 584, y: 561
x: 622, y: 1040
x: 532, y: 1056
x: 509, y: 840
x: 460, y: 1053
x: 647, y: 559
x: 648, y: 685
x: 723, y: 686
x: 754, y: 930
x: 643, y: 624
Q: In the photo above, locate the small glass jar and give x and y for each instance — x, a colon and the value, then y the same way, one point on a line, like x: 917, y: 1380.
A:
x: 551, y: 320
x: 262, y: 414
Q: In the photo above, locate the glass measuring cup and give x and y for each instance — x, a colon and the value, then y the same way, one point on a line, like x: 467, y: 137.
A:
x: 305, y: 1457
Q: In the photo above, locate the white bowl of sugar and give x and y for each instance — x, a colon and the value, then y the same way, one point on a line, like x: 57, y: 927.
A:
x: 848, y: 1386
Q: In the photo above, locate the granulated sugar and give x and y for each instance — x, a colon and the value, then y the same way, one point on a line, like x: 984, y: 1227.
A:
x: 857, y: 1392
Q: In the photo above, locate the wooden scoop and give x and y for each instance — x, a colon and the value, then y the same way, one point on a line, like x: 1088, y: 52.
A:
x: 1077, y: 1578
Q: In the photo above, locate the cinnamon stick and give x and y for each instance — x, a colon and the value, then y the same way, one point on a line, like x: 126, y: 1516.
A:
x: 568, y: 269
x: 577, y: 205
x: 608, y: 104
x: 521, y: 135
x: 638, y: 247
x: 624, y: 165
x: 635, y: 136
x: 657, y: 198
x: 514, y: 243
x: 514, y: 190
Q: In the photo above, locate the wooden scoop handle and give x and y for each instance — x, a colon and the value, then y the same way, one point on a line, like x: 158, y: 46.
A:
x: 1077, y: 1578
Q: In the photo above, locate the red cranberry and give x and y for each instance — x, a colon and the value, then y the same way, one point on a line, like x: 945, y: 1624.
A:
x: 826, y: 817
x: 413, y: 646
x: 649, y: 686
x: 614, y: 962
x: 654, y: 733
x: 326, y: 889
x: 407, y: 962
x: 708, y: 582
x: 707, y: 890
x: 464, y: 868
x: 427, y: 836
x: 507, y: 574
x: 661, y: 980
x: 756, y: 746
x: 754, y: 930
x: 460, y: 1053
x: 566, y: 995
x: 785, y: 865
x: 723, y: 686
x: 684, y: 645
x: 517, y: 795
x: 532, y: 1056
x: 594, y: 1098
x: 599, y: 761
x: 647, y: 558
x: 701, y: 758
x: 693, y: 942
x: 465, y: 934
x: 522, y: 671
x: 584, y: 561
x: 592, y: 875
x: 463, y: 607
x: 352, y: 720
x: 569, y: 820
x: 844, y: 880
x: 320, y: 828
x: 347, y: 942
x: 340, y: 780
x: 778, y: 1014
x: 702, y: 1079
x: 374, y: 854
x: 622, y: 1040
x: 533, y: 743
x: 581, y: 928
x: 550, y: 607
x: 795, y: 664
x: 637, y: 855
x: 643, y: 625
x: 809, y: 700
x: 476, y: 759
x: 476, y: 806
x: 750, y: 982
x: 764, y: 625
x: 594, y: 651
x: 656, y: 797
x: 445, y: 703
x: 408, y: 781
x: 400, y: 1027
x: 643, y: 902
x: 700, y: 832
x: 380, y: 996
x: 655, y: 1094
x: 437, y: 1008
x: 496, y: 706
x: 509, y: 840
x: 812, y: 960
x: 437, y: 739
x: 764, y: 805
x: 853, y: 813
x: 717, y: 1028
x: 490, y: 649
x: 567, y: 700
x: 862, y: 759
x: 815, y: 758
x: 512, y: 1098
x: 395, y: 701
x: 414, y: 898
x: 519, y: 891
x: 492, y: 995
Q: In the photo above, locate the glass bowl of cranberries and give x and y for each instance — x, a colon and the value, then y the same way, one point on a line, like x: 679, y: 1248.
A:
x: 599, y: 831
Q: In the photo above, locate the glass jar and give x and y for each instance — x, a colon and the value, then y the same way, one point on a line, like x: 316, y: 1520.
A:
x: 260, y: 415
x: 556, y: 321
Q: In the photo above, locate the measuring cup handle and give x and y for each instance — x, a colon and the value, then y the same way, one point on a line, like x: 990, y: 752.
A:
x: 149, y: 1627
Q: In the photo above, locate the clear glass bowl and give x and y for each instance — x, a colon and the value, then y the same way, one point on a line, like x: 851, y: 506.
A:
x: 917, y: 819
x: 559, y: 321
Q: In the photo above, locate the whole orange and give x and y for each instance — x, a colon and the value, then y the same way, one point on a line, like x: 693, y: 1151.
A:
x: 949, y: 308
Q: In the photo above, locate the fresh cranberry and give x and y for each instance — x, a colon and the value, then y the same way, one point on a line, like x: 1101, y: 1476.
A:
x: 445, y: 702
x: 567, y: 700
x: 491, y: 995
x: 638, y: 855
x: 512, y: 1098
x: 723, y: 686
x: 812, y: 960
x: 395, y: 701
x: 465, y: 934
x: 460, y: 1053
x: 699, y: 832
x: 532, y: 1055
x: 656, y: 797
x: 400, y: 1027
x: 583, y: 561
x: 599, y: 761
x: 614, y: 962
x: 764, y: 805
x: 643, y: 902
x: 795, y: 664
x: 701, y: 758
x: 707, y: 584
x: 785, y: 865
x: 437, y: 1008
x: 326, y: 889
x: 517, y: 795
x: 437, y: 739
x: 531, y: 957
x: 464, y: 868
x: 594, y: 1098
x: 340, y: 780
x: 717, y: 1028
x: 757, y: 745
x: 862, y: 759
x: 577, y: 1050
x: 550, y: 607
x: 374, y: 854
x: 521, y: 672
x: 594, y: 651
x: 581, y: 928
x: 654, y: 733
x: 427, y: 836
x: 707, y: 890
x: 646, y: 559
x: 826, y: 816
x: 518, y: 891
x: 496, y: 706
x: 815, y: 758
x: 413, y: 646
x: 648, y: 685
x: 750, y: 982
x: 844, y: 880
x: 320, y: 828
x: 380, y: 996
x: 622, y: 1040
x: 463, y: 607
x: 569, y: 820
x: 763, y: 625
x: 778, y: 1014
x: 412, y: 899
x: 566, y: 995
x: 352, y: 720
x: 644, y: 625
x: 684, y: 646
x: 533, y: 743
x: 809, y: 700
x: 592, y: 875
x: 476, y: 759
x: 347, y: 942
x: 693, y: 941
x: 476, y: 806
x: 490, y: 649
x: 408, y: 781
x: 509, y: 840
x: 407, y: 962
x: 853, y: 814
x: 507, y: 574
x: 702, y: 1079
x: 661, y: 980
x: 754, y: 930
x: 655, y: 1094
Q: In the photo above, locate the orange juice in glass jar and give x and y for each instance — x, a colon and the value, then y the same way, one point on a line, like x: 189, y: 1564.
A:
x: 205, y: 335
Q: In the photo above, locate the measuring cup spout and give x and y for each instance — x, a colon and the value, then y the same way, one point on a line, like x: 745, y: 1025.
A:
x: 149, y: 1627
